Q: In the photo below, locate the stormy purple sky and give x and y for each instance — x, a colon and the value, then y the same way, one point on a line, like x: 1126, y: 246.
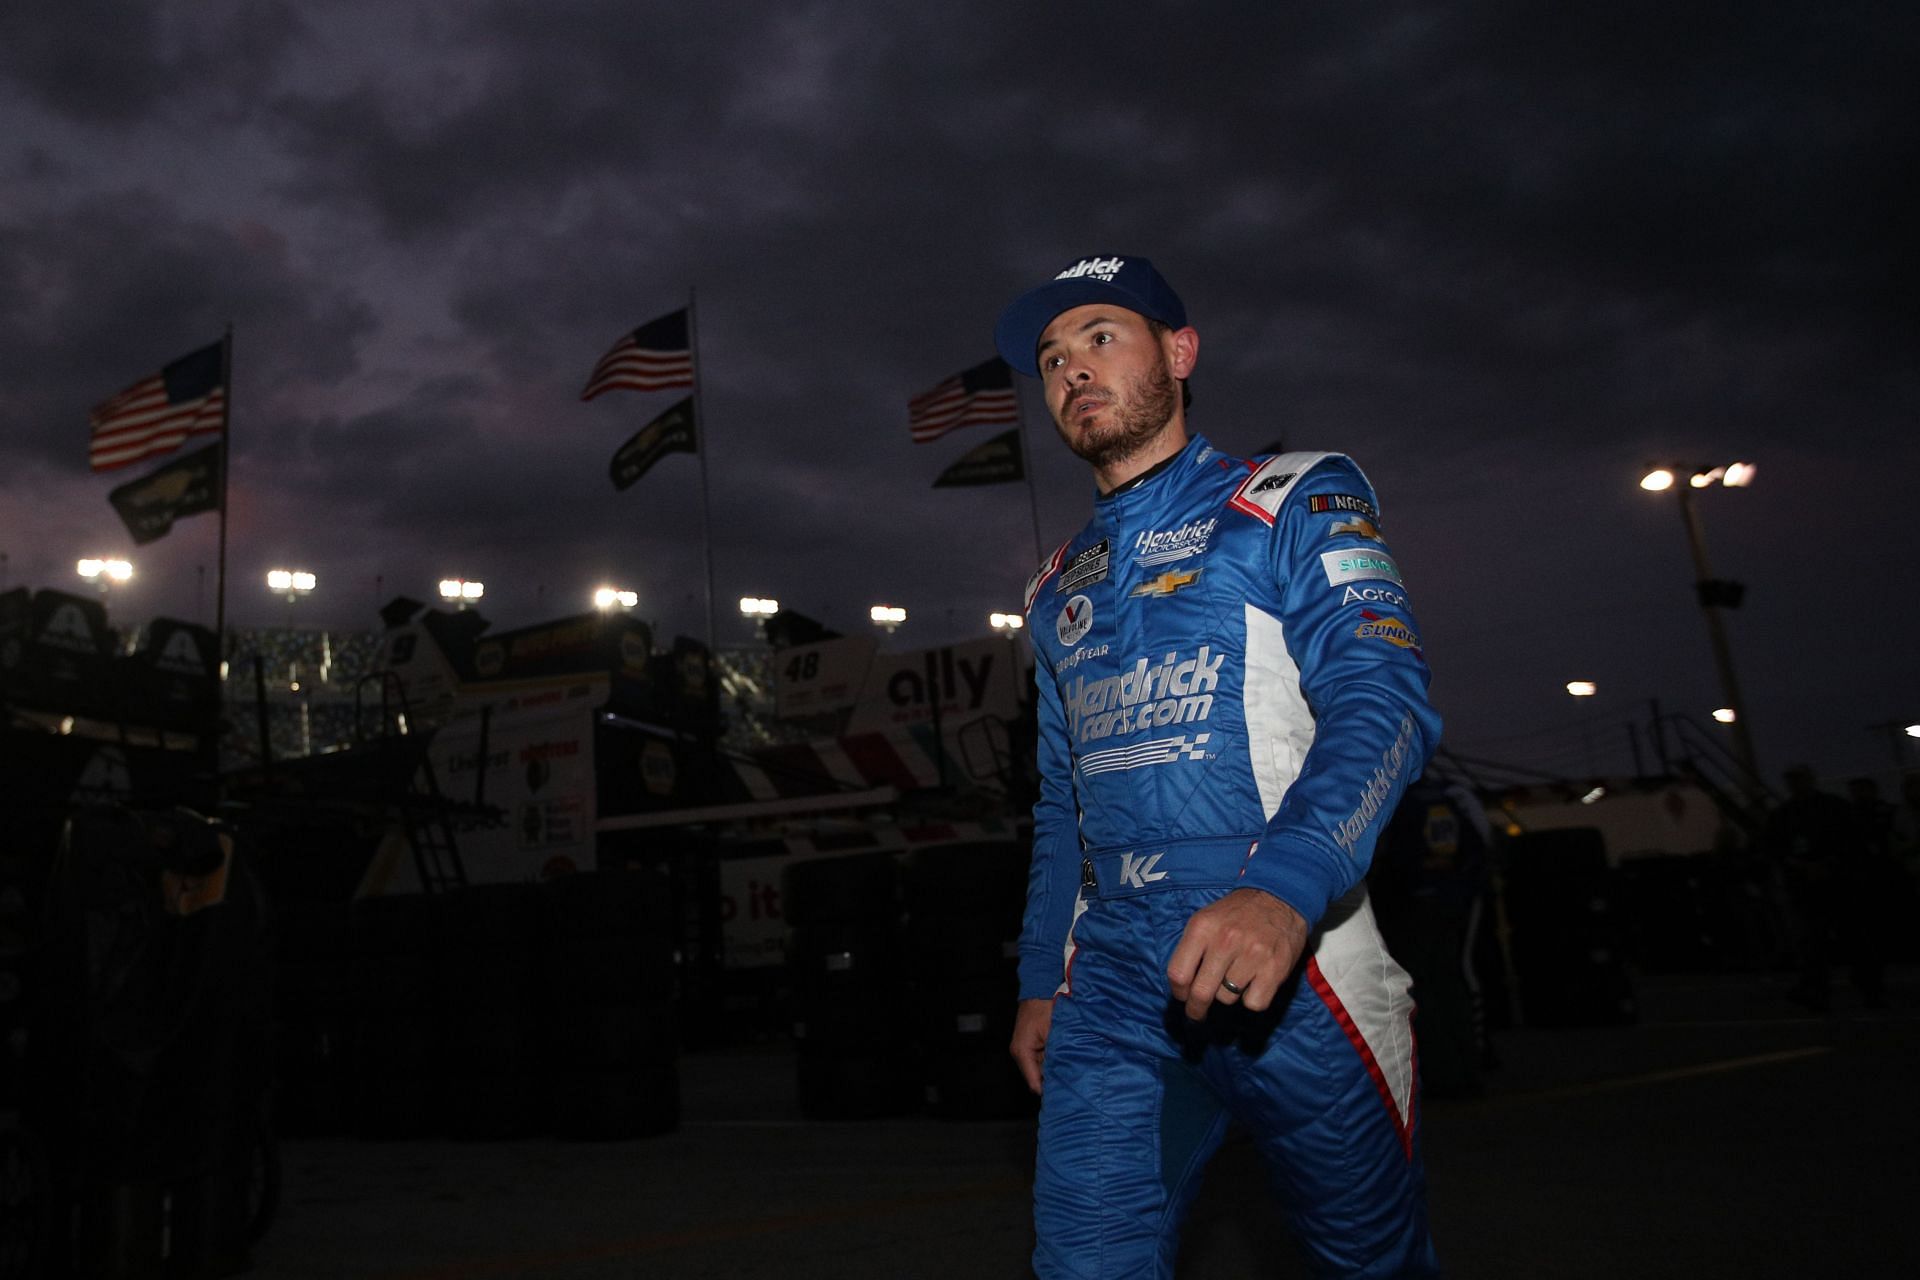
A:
x: 1504, y: 254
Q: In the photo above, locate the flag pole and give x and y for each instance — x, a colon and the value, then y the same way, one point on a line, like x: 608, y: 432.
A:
x: 226, y: 435
x: 701, y: 445
x: 1026, y: 465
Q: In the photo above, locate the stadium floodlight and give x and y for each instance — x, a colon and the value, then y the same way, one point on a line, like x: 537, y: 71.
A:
x: 1582, y: 688
x: 1713, y: 594
x: 461, y: 591
x: 607, y: 599
x: 758, y: 607
x: 291, y: 583
x: 887, y: 616
x: 1912, y: 731
x: 1006, y: 623
x: 104, y: 572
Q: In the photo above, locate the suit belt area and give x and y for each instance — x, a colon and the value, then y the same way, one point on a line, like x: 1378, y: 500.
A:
x: 1203, y: 862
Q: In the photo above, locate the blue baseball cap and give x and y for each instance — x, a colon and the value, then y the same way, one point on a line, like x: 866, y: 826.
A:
x: 1125, y: 282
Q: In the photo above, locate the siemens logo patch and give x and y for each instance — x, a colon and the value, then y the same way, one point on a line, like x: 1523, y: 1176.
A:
x: 1358, y: 566
x: 1149, y: 696
x: 1378, y: 787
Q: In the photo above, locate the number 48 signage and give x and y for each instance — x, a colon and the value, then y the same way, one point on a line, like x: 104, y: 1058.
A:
x: 812, y: 679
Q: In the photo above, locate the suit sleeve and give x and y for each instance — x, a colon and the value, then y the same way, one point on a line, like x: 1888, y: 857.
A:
x: 1053, y: 877
x: 1350, y: 630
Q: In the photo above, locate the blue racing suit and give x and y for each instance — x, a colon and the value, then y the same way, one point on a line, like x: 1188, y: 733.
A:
x: 1232, y: 693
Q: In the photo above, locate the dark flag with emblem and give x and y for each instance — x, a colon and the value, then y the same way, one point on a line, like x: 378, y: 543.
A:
x: 656, y: 356
x: 995, y: 462
x: 149, y: 506
x: 155, y: 415
x: 671, y: 432
x: 980, y: 396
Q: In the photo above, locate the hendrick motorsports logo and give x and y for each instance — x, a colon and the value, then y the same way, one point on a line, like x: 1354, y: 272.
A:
x: 1374, y: 795
x: 1148, y: 696
x: 1167, y: 545
x: 1075, y: 619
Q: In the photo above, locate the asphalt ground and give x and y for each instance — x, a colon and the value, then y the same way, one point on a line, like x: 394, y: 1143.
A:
x: 1726, y: 1133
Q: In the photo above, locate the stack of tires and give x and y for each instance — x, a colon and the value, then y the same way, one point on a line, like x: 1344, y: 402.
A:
x: 393, y: 991
x: 963, y: 909
x: 847, y: 959
x: 312, y: 1016
x: 1559, y: 895
x: 151, y: 1066
x: 488, y: 1008
x: 609, y: 995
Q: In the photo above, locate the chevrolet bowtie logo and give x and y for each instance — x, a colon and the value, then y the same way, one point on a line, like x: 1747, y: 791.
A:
x: 1167, y: 583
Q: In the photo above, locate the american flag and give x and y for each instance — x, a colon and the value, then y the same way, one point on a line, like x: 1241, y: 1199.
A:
x: 653, y: 357
x: 983, y: 394
x: 154, y: 415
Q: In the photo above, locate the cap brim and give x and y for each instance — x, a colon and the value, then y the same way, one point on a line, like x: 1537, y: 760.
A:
x: 1021, y: 324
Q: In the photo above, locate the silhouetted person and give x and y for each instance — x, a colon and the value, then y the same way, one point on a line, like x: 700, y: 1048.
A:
x: 1427, y: 881
x: 1815, y: 841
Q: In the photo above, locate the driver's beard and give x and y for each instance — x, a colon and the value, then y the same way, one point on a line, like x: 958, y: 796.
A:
x: 1145, y: 407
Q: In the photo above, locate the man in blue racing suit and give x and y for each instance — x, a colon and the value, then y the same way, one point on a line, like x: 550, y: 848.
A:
x: 1232, y: 698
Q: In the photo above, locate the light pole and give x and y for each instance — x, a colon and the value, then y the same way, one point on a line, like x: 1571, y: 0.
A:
x: 104, y: 573
x: 758, y: 609
x: 291, y: 583
x: 461, y: 592
x: 607, y: 599
x: 1714, y: 594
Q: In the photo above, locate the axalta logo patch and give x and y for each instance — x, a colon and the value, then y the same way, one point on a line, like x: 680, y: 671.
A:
x: 1148, y: 696
x: 1356, y: 566
x: 1165, y: 584
x: 1359, y: 527
x: 1098, y: 268
x: 1374, y: 595
x: 1167, y: 545
x: 1076, y: 617
x: 1392, y: 630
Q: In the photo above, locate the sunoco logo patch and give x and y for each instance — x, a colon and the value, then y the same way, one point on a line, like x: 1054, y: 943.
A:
x: 1392, y: 630
x: 1076, y: 617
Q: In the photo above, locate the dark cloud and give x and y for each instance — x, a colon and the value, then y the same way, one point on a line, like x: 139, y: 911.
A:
x: 1503, y: 255
x: 102, y: 63
x: 102, y: 293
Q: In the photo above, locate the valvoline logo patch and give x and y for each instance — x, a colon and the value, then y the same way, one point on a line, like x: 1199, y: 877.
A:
x: 1076, y: 617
